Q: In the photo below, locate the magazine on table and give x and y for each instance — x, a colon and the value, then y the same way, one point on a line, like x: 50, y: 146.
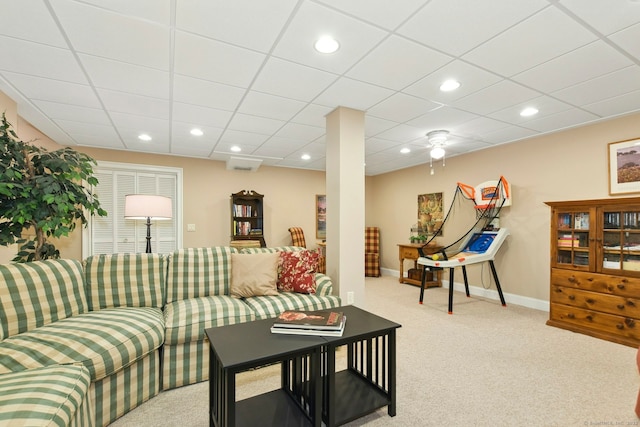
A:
x: 290, y: 330
x: 329, y: 320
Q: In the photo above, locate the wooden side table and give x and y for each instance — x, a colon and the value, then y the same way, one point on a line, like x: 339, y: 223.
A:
x: 410, y: 251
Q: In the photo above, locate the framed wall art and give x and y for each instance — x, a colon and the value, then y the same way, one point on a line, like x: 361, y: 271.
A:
x: 624, y: 167
x: 430, y: 213
x: 321, y: 216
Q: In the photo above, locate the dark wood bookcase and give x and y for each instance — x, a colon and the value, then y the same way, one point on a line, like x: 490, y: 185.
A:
x: 247, y: 216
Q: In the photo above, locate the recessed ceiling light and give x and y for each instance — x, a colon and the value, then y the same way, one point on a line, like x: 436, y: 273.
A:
x: 305, y: 157
x: 326, y: 44
x: 235, y: 149
x: 405, y: 150
x: 196, y: 132
x: 529, y: 111
x: 144, y: 137
x: 449, y: 85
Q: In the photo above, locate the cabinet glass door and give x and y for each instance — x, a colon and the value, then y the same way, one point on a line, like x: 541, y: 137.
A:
x: 572, y: 239
x: 621, y: 240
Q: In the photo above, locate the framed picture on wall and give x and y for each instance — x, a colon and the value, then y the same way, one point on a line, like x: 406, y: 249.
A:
x: 430, y: 213
x: 624, y: 167
x: 321, y: 216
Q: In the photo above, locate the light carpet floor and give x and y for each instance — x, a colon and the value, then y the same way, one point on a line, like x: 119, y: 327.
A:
x: 485, y: 365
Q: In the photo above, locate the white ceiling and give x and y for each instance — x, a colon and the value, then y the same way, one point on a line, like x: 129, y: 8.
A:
x: 98, y: 73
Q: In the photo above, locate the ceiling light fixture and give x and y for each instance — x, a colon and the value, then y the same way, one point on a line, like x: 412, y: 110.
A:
x: 529, y: 111
x: 327, y: 44
x: 235, y: 149
x: 196, y: 132
x: 144, y: 137
x: 305, y: 157
x: 449, y: 85
x: 437, y: 141
x: 405, y: 150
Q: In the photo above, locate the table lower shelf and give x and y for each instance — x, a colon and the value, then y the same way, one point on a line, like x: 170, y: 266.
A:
x: 274, y: 408
x: 355, y: 397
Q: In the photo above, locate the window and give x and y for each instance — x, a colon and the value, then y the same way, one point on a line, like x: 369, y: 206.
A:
x: 114, y: 233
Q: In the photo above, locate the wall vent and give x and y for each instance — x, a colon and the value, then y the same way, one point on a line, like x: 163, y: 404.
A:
x: 243, y: 164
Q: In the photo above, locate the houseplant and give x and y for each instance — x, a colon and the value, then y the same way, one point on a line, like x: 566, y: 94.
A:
x: 42, y: 194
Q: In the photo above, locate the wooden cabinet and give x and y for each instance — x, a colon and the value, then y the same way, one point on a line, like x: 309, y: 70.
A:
x: 410, y: 251
x: 595, y: 268
x: 247, y: 220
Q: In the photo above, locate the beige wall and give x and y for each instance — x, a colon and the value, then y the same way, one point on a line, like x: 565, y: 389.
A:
x: 568, y: 165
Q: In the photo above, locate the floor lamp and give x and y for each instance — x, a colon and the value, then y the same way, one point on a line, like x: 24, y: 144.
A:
x: 143, y: 206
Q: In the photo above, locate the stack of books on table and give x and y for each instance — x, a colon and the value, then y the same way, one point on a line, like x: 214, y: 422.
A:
x: 320, y: 322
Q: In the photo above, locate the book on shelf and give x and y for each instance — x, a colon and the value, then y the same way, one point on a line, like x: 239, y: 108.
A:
x: 317, y: 319
x: 310, y: 331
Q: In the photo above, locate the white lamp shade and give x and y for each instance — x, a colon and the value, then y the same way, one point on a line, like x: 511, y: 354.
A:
x: 143, y: 206
x: 437, y: 153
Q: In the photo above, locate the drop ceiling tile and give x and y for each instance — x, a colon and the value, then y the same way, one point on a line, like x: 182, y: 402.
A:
x: 508, y: 134
x: 402, y: 134
x: 25, y: 57
x: 123, y: 77
x: 270, y: 106
x: 200, y: 116
x: 585, y: 63
x: 86, y: 133
x: 605, y: 16
x: 190, y: 90
x: 231, y: 22
x: 254, y: 124
x: 458, y: 26
x: 90, y: 30
x: 561, y: 120
x: 602, y: 88
x: 477, y: 128
x: 352, y: 94
x: 185, y: 144
x: 121, y: 102
x: 397, y: 63
x: 53, y: 90
x: 540, y: 38
x: 130, y: 124
x: 401, y: 107
x: 628, y: 39
x: 378, y: 12
x: 151, y: 10
x: 208, y: 59
x: 471, y: 79
x: 546, y: 106
x: 56, y: 110
x: 300, y: 132
x: 311, y: 21
x: 373, y: 125
x: 617, y: 105
x: 496, y: 97
x: 30, y: 20
x: 442, y: 118
x: 313, y: 115
x: 291, y: 80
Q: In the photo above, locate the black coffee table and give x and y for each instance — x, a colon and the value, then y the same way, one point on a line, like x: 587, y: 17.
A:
x: 311, y: 389
x: 237, y: 348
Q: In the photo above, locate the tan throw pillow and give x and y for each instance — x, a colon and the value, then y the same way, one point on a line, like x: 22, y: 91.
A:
x: 254, y: 274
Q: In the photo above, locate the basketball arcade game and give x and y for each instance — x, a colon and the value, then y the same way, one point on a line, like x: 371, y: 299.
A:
x: 480, y: 243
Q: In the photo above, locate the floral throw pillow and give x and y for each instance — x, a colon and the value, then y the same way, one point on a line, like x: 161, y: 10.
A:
x: 297, y: 271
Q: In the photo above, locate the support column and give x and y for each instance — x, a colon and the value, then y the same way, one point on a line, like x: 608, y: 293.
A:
x: 345, y: 203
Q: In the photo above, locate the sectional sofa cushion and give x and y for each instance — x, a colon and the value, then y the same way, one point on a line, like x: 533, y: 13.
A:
x: 36, y: 294
x: 254, y: 274
x: 125, y: 280
x: 272, y: 306
x: 186, y: 320
x: 199, y: 272
x: 104, y: 341
x: 50, y: 396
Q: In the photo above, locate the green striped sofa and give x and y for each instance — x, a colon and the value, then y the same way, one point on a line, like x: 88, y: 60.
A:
x: 127, y: 326
x: 106, y: 317
x: 198, y: 297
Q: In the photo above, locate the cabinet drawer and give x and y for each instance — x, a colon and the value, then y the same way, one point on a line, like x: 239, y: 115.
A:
x: 409, y: 253
x: 584, y: 320
x: 603, y: 283
x: 612, y: 304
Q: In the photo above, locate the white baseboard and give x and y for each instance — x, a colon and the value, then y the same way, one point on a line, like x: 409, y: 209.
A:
x: 528, y: 302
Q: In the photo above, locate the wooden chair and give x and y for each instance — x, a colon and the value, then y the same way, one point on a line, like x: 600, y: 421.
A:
x: 372, y: 252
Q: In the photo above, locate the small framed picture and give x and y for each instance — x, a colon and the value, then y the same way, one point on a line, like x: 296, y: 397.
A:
x: 624, y: 167
x: 321, y: 216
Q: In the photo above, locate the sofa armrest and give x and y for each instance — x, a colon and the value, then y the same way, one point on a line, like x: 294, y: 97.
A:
x: 324, y: 285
